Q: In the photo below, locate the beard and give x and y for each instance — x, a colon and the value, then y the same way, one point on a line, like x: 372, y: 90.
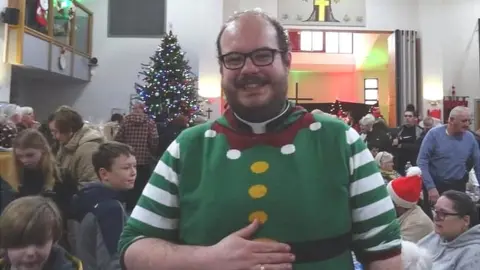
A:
x: 262, y: 112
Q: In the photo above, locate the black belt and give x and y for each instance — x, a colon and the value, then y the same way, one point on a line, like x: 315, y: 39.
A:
x: 320, y: 250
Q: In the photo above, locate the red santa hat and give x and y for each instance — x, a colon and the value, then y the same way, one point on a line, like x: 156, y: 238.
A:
x: 405, y: 191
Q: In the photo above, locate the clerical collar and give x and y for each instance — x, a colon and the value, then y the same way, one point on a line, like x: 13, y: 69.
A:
x: 260, y: 128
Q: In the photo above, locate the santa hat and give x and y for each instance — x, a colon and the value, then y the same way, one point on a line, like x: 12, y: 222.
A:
x: 405, y: 191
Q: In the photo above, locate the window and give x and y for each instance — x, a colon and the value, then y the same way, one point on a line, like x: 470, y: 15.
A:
x: 311, y: 41
x: 328, y: 42
x: 123, y: 18
x: 339, y: 42
x: 332, y: 42
x: 345, y: 41
x: 371, y: 91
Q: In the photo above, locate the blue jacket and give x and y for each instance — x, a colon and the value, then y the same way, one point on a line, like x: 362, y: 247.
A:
x: 101, y: 215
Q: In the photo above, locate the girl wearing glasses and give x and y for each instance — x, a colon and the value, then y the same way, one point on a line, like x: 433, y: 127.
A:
x: 455, y: 243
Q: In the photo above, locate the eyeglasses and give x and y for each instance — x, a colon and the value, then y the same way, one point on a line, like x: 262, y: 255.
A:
x: 442, y: 215
x: 259, y: 57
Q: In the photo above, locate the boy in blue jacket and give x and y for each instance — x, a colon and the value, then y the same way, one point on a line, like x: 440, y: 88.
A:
x: 99, y: 207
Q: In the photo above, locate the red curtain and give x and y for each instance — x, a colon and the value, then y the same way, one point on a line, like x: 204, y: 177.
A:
x: 435, y: 113
x: 451, y: 103
x: 294, y: 37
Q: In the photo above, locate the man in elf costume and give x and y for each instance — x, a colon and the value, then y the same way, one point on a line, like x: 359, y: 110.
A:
x: 268, y: 186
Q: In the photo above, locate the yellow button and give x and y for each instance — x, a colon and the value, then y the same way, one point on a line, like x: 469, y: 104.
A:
x: 258, y: 215
x: 257, y: 191
x: 259, y: 167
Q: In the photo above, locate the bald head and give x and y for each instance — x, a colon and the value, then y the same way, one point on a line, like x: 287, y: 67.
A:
x: 252, y: 19
x: 459, y: 110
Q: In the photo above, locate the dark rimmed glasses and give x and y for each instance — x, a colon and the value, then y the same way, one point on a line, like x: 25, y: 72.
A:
x: 259, y: 57
x: 441, y: 215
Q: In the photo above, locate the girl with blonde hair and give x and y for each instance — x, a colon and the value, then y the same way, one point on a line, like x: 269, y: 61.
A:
x: 34, y: 172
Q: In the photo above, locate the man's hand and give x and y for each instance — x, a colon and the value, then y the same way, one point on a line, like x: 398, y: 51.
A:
x: 433, y: 196
x: 395, y: 142
x: 236, y: 252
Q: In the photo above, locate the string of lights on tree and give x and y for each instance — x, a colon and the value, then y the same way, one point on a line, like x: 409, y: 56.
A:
x: 169, y: 87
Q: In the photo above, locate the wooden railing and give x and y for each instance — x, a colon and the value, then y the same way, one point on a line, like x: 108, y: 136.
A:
x: 69, y: 27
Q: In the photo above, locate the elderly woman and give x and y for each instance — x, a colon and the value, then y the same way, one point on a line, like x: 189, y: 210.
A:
x: 385, y: 163
x: 455, y: 243
x: 28, y: 118
x: 375, y: 133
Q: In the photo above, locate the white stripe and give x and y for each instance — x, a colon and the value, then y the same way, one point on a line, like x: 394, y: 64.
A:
x: 372, y: 233
x: 352, y: 136
x: 366, y: 184
x: 386, y: 246
x: 372, y: 210
x: 160, y: 196
x: 166, y: 172
x: 145, y: 216
x: 361, y: 158
x: 174, y: 149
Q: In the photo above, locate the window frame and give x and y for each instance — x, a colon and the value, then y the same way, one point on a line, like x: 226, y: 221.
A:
x: 325, y: 41
x: 365, y: 89
x: 164, y: 15
x: 311, y: 32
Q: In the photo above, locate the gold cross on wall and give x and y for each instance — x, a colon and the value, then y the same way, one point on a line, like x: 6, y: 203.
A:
x: 321, y: 5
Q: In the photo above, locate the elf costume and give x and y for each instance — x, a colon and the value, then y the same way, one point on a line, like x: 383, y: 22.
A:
x: 308, y: 178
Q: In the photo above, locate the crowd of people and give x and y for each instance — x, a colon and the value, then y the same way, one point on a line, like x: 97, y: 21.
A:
x: 267, y: 186
x: 71, y: 185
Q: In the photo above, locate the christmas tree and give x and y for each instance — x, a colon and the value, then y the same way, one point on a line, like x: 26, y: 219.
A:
x: 169, y: 87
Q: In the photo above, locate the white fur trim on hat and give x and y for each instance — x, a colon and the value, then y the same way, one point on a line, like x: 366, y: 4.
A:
x: 397, y: 200
x: 414, y: 171
x: 415, y: 257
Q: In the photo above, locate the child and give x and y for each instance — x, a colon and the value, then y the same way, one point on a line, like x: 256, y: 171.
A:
x: 30, y: 228
x: 99, y: 208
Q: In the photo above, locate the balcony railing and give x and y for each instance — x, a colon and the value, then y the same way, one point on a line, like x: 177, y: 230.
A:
x: 67, y: 23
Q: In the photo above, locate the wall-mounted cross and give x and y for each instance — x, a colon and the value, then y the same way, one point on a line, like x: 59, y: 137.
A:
x: 297, y: 99
x: 209, y: 111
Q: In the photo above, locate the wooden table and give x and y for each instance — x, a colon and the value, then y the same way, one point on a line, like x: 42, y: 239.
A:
x: 6, y: 159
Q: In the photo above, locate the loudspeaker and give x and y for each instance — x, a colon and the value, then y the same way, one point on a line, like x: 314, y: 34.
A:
x: 11, y: 16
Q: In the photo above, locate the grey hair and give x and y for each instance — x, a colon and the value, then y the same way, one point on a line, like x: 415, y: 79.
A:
x: 26, y: 110
x: 367, y: 120
x: 382, y: 157
x: 458, y: 110
x: 11, y: 110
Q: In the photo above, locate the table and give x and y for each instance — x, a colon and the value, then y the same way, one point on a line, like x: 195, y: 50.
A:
x: 6, y: 159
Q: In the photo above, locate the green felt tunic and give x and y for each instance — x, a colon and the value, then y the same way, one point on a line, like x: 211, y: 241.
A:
x: 323, y: 184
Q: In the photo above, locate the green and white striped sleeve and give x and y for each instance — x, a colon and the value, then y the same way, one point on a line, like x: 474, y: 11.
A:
x: 376, y: 232
x: 157, y: 212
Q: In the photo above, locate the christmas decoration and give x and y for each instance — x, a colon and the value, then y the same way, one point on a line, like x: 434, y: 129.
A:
x: 169, y: 87
x: 375, y: 111
x: 42, y: 11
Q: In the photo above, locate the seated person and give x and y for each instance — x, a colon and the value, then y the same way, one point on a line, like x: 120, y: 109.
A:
x: 30, y: 228
x: 99, y: 206
x: 455, y: 243
x: 405, y: 193
x: 385, y: 163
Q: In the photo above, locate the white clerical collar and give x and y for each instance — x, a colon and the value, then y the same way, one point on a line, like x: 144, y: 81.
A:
x: 260, y: 128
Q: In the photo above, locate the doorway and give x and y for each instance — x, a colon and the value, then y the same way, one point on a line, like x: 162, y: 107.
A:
x: 476, y: 115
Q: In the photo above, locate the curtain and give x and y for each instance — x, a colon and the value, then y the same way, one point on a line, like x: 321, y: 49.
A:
x: 406, y: 71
